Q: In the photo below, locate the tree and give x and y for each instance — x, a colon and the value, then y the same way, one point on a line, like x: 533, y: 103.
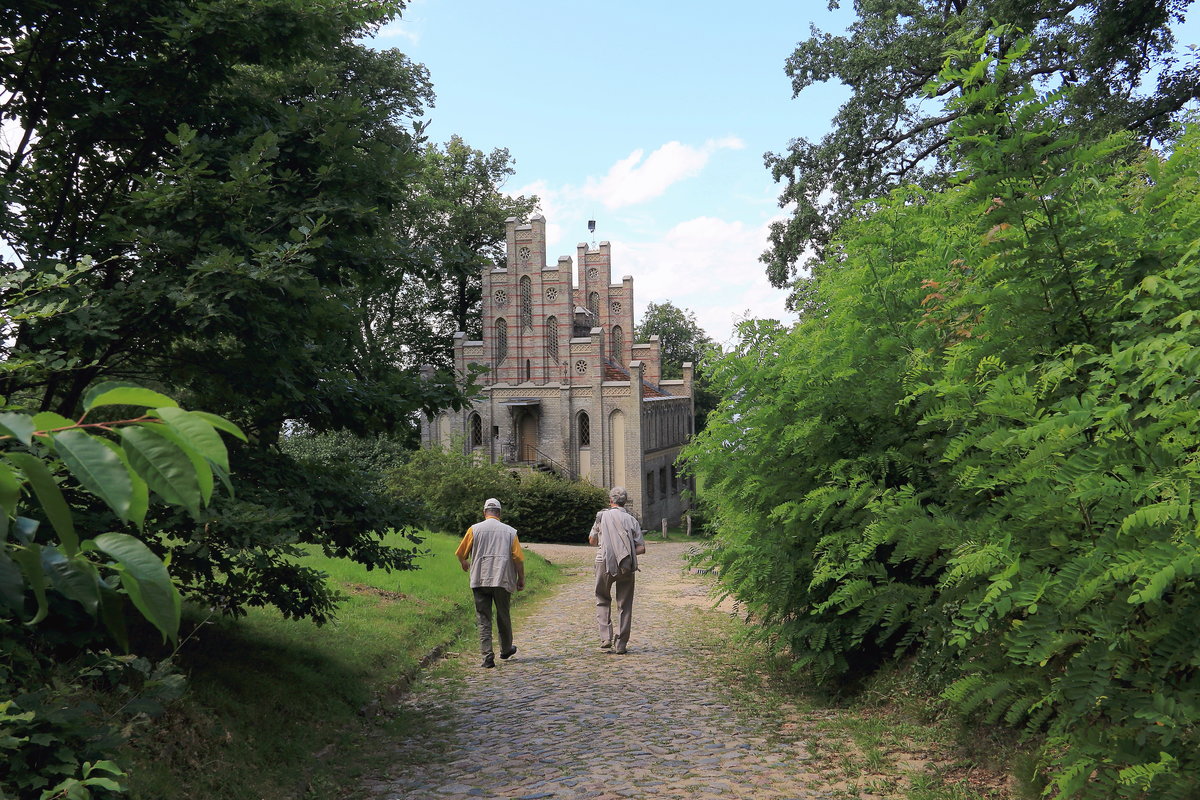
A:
x: 681, y: 339
x: 449, y: 229
x: 979, y: 458
x: 226, y: 175
x: 892, y: 132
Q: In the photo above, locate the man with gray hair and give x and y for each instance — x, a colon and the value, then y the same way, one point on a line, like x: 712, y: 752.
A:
x: 491, y: 553
x: 619, y: 536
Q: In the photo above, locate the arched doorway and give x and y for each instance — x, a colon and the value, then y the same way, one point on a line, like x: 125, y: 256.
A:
x: 527, y: 437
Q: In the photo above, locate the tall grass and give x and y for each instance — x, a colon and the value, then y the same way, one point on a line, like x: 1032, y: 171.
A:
x: 283, y: 709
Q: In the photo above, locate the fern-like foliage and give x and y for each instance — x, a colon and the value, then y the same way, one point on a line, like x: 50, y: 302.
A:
x: 985, y: 450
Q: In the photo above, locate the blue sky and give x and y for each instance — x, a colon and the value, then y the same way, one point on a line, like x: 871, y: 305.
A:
x: 650, y: 117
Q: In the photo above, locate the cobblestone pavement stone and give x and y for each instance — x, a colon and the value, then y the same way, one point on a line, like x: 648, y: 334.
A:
x: 567, y: 721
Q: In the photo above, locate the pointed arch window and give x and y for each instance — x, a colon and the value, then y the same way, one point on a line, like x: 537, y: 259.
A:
x: 618, y: 344
x: 594, y: 307
x: 476, y: 431
x: 501, y: 341
x: 526, y: 303
x: 585, y: 429
x: 552, y: 341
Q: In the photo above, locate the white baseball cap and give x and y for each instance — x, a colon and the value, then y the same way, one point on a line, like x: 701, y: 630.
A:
x: 491, y: 502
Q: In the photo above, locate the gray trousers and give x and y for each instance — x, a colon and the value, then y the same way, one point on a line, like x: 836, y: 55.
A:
x: 606, y: 586
x: 485, y: 596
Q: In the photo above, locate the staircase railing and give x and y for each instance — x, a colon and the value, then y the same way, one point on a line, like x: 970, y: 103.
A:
x: 559, y: 468
x: 510, y: 453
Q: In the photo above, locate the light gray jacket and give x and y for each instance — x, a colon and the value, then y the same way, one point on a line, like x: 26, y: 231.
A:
x: 620, y: 535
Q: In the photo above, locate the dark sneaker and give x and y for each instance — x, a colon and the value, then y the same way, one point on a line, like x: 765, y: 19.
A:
x: 489, y: 661
x: 509, y: 653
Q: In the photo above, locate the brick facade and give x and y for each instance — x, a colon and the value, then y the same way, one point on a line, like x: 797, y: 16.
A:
x: 567, y: 387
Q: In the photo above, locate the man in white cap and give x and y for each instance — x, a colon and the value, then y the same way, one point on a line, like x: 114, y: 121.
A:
x: 491, y: 553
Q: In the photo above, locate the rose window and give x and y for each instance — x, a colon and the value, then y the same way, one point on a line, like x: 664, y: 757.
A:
x: 552, y: 294
x: 523, y: 255
x: 581, y: 367
x: 616, y: 306
x: 501, y: 297
x: 593, y: 274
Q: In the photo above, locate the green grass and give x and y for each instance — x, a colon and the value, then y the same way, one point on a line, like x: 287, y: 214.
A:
x: 283, y: 709
x: 677, y: 533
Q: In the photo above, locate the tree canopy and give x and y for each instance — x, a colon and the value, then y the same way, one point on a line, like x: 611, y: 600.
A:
x: 977, y: 454
x: 895, y: 129
x: 227, y: 186
x: 680, y: 337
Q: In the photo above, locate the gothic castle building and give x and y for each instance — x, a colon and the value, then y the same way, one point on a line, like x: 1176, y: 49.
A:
x: 567, y: 387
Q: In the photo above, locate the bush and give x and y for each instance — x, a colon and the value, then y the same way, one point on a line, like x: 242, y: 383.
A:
x: 447, y: 489
x: 548, y: 509
x: 979, y: 448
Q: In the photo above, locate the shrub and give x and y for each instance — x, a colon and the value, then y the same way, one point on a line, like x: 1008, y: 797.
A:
x: 545, y: 508
x: 447, y: 489
x: 980, y: 446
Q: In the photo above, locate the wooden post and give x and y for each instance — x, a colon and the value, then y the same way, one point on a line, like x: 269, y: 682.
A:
x: 664, y: 527
x: 689, y: 523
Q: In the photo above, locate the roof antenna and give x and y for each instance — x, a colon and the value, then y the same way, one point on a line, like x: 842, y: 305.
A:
x: 592, y: 231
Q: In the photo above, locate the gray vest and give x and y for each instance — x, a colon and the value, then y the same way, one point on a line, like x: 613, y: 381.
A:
x: 491, y: 555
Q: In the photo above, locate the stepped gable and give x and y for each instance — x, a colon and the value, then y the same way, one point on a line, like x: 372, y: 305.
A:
x: 615, y: 372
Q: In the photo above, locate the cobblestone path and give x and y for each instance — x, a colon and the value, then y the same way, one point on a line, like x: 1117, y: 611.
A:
x: 567, y: 721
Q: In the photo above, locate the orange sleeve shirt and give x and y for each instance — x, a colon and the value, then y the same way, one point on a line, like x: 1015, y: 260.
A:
x: 464, y: 547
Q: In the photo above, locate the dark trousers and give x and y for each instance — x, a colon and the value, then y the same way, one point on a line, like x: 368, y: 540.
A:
x: 485, y: 596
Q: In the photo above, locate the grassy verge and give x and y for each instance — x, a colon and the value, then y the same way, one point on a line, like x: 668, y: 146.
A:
x: 281, y: 709
x: 889, y: 741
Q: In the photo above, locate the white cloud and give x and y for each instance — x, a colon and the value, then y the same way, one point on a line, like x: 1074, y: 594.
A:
x: 633, y: 180
x: 397, y: 30
x: 709, y: 266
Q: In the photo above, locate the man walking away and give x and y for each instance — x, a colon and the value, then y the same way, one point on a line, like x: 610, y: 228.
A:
x: 491, y: 553
x: 619, y: 535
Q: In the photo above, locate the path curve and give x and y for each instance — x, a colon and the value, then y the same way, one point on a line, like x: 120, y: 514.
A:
x: 564, y: 720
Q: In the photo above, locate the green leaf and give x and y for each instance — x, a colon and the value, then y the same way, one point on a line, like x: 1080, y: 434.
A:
x: 220, y: 423
x: 107, y: 766
x: 75, y: 578
x: 120, y: 393
x: 202, y: 468
x: 51, y: 498
x: 10, y: 488
x: 167, y: 469
x: 48, y: 420
x: 198, y: 433
x: 19, y: 426
x: 140, y: 500
x: 104, y: 783
x: 12, y: 585
x: 98, y: 468
x: 145, y: 579
x: 29, y: 558
x: 24, y: 529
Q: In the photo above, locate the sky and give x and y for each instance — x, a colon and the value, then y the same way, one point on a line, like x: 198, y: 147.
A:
x: 649, y: 117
